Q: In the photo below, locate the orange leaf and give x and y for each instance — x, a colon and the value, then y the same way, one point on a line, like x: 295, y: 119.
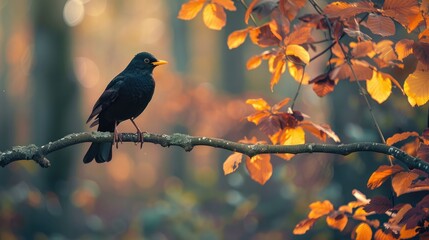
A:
x: 276, y: 107
x: 347, y: 10
x: 362, y: 232
x: 361, y: 69
x: 291, y: 136
x: 290, y: 8
x: 381, y: 174
x: 299, y: 52
x: 360, y: 214
x: 214, y: 16
x: 303, y: 226
x: 319, y: 209
x: 254, y: 62
x: 408, y: 233
x: 380, y: 235
x: 337, y: 220
x: 404, y: 48
x: 237, y: 38
x: 401, y: 182
x: 401, y: 10
x: 400, y: 137
x: 227, y: 4
x: 379, y: 87
x: 362, y: 49
x: 320, y: 131
x: 416, y: 86
x: 300, y: 35
x: 323, y: 85
x: 258, y: 104
x: 380, y: 25
x: 232, y: 162
x: 190, y: 9
x: 277, y: 74
x: 260, y: 168
x: 249, y: 10
x: 263, y: 37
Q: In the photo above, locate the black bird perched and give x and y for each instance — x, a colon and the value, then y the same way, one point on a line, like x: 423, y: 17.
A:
x: 126, y: 96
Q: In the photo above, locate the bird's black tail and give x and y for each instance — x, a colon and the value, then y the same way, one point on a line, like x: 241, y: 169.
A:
x: 102, y: 152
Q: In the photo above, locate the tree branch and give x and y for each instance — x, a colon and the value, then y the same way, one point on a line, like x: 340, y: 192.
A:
x: 38, y: 154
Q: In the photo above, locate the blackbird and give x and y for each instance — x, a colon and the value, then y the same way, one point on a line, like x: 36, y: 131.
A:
x: 125, y: 97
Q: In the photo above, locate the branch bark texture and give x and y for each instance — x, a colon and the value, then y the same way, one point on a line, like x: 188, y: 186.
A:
x: 39, y: 153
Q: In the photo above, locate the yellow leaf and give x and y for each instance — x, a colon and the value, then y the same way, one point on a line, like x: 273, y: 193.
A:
x: 190, y: 9
x: 258, y: 104
x: 296, y: 71
x: 337, y: 220
x: 299, y: 52
x: 303, y: 226
x: 381, y: 174
x: 260, y: 168
x: 237, y: 38
x: 319, y: 209
x: 232, y: 162
x: 254, y: 62
x: 416, y: 86
x: 214, y: 16
x: 363, y: 232
x: 379, y: 87
x: 227, y: 4
x: 291, y: 136
x: 277, y: 73
x: 404, y: 48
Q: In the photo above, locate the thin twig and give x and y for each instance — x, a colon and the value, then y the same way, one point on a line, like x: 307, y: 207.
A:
x: 251, y: 16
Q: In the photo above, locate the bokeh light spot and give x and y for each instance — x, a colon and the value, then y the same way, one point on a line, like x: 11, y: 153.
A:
x: 73, y: 12
x: 87, y: 72
x: 152, y: 30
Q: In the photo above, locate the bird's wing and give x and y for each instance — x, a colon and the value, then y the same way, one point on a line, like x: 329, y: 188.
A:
x: 106, y: 99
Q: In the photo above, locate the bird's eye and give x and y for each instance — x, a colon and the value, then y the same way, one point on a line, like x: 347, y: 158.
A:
x: 146, y: 60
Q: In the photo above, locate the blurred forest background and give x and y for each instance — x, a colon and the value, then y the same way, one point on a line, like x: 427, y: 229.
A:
x: 56, y: 57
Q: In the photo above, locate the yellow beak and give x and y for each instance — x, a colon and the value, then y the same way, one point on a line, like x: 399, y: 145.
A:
x: 159, y: 62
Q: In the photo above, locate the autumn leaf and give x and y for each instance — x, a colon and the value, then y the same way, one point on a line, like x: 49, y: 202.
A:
x: 299, y: 52
x: 277, y: 74
x: 263, y: 37
x: 362, y: 232
x: 291, y: 136
x: 416, y: 87
x: 227, y: 4
x: 383, y: 26
x: 232, y: 162
x: 319, y: 209
x: 408, y: 233
x: 347, y: 10
x: 214, y: 16
x: 401, y: 182
x: 276, y: 107
x: 237, y: 38
x: 258, y: 104
x: 260, y: 168
x: 362, y: 49
x: 404, y: 48
x: 190, y: 9
x: 303, y: 226
x: 290, y: 8
x: 421, y: 51
x: 300, y: 35
x: 249, y: 10
x: 381, y: 174
x: 323, y: 85
x: 320, y: 131
x: 401, y: 10
x: 337, y: 220
x: 379, y: 87
x: 385, y: 54
x: 360, y: 68
x: 400, y: 137
x: 380, y: 235
x: 254, y: 62
x: 378, y: 204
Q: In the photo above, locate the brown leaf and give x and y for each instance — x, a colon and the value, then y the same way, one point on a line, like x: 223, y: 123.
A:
x: 362, y: 232
x: 400, y: 137
x: 254, y: 62
x: 319, y: 209
x: 361, y: 69
x: 263, y: 37
x: 337, y: 220
x: 237, y: 38
x: 381, y: 174
x: 214, y: 16
x: 378, y: 204
x: 403, y: 48
x: 232, y: 163
x: 190, y: 9
x: 290, y: 8
x: 260, y: 168
x: 320, y: 131
x: 401, y: 10
x: 323, y: 85
x: 401, y: 182
x: 380, y: 25
x: 227, y: 4
x: 362, y: 49
x: 303, y: 226
x: 421, y: 51
x: 347, y: 10
x: 279, y: 25
x: 300, y: 35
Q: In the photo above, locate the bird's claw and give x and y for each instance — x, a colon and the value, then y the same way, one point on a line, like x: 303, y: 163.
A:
x: 140, y: 138
x: 118, y: 138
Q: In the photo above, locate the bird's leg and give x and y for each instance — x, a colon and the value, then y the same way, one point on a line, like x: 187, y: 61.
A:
x: 117, y: 137
x: 139, y: 133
